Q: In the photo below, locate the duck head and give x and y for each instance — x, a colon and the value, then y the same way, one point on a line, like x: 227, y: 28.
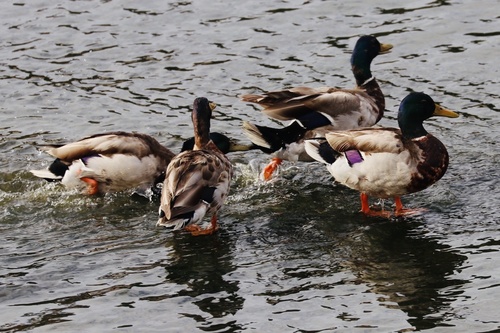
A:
x: 415, y: 109
x: 366, y: 49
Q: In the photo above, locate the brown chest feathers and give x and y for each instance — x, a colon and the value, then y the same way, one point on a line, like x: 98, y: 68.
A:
x: 432, y: 165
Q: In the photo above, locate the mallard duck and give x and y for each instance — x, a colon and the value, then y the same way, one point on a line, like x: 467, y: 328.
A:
x: 197, y: 181
x: 315, y: 110
x: 387, y: 162
x: 108, y: 162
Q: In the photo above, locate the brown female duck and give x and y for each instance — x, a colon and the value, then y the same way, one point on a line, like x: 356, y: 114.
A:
x: 197, y: 181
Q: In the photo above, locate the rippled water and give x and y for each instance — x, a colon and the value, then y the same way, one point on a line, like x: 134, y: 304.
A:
x: 293, y: 255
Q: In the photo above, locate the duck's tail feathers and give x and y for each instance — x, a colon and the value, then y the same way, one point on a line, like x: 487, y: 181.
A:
x: 46, y: 174
x: 270, y: 139
x: 320, y: 150
x: 272, y: 98
x: 180, y: 217
x: 174, y: 224
x: 55, y: 171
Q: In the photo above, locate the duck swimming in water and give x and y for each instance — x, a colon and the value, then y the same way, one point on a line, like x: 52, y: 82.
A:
x: 108, y: 162
x: 197, y: 181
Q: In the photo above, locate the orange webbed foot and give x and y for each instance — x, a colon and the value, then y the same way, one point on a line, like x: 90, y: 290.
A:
x: 378, y: 213
x: 196, y: 230
x: 268, y: 171
x: 409, y: 212
x: 400, y: 211
x: 93, y: 185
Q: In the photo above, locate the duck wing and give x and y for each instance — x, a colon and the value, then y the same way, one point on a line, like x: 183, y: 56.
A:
x: 298, y: 102
x: 368, y: 140
x: 137, y: 144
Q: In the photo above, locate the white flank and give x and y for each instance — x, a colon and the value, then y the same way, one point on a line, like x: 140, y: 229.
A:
x: 115, y: 173
x: 382, y: 175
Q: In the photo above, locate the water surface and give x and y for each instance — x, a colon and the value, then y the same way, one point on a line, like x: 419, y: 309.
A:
x: 294, y: 255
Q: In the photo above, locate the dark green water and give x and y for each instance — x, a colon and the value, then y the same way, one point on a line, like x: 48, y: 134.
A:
x: 293, y: 255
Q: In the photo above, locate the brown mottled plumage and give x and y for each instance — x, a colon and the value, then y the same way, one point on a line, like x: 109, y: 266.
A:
x: 196, y: 182
x: 433, y: 163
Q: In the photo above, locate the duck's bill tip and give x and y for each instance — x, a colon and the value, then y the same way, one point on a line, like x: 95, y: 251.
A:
x: 443, y: 112
x: 385, y: 48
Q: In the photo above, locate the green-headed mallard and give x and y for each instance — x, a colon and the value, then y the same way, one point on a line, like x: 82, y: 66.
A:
x: 316, y: 110
x: 197, y: 181
x: 387, y: 162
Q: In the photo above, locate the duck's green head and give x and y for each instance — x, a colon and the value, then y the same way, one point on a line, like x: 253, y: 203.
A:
x: 366, y: 49
x: 202, y: 112
x: 415, y: 109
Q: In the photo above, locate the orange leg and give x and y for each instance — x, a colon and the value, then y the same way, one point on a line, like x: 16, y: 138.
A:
x: 270, y: 168
x: 213, y: 221
x: 399, y: 205
x: 195, y: 230
x: 93, y: 185
x: 365, y: 208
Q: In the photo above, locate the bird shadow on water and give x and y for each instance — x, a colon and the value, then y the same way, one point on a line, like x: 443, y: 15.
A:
x: 397, y: 259
x: 201, y: 265
x: 411, y: 271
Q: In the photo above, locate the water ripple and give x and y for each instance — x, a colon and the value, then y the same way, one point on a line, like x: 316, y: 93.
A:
x: 292, y: 255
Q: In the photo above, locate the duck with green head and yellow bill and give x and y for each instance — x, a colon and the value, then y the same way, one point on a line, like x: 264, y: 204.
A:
x: 315, y: 111
x: 196, y: 181
x: 387, y: 162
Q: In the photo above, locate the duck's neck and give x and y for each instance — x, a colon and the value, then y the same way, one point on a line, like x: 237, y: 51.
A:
x: 411, y: 128
x: 360, y: 66
x: 201, y: 133
x: 362, y: 73
x: 373, y: 90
